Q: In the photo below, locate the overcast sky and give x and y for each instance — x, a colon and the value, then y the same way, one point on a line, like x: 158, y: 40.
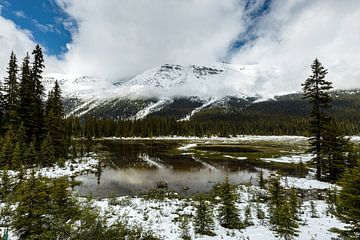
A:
x: 117, y: 39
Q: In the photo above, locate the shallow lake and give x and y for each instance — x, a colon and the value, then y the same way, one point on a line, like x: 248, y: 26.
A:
x: 133, y: 167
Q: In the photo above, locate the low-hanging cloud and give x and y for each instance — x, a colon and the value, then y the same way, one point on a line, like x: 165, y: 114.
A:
x: 120, y: 39
x: 294, y: 33
x: 117, y: 39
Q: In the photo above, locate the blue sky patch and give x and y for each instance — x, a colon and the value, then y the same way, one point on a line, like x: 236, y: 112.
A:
x: 48, y: 23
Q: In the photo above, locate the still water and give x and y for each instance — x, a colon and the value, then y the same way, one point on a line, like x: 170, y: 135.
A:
x: 134, y: 167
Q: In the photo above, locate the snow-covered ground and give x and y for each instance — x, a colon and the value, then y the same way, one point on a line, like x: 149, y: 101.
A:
x: 239, y: 138
x: 295, y: 158
x: 305, y: 183
x: 160, y: 217
x: 69, y: 168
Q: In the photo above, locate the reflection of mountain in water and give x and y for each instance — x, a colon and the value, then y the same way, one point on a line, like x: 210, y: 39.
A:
x: 138, y: 165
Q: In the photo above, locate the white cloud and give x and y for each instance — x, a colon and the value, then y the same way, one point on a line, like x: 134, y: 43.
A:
x: 20, y: 41
x: 13, y: 39
x: 119, y: 39
x: 20, y: 14
x: 294, y: 33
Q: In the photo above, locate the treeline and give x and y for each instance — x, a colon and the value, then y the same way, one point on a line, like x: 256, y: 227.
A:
x: 32, y: 130
x: 210, y: 122
x: 167, y: 126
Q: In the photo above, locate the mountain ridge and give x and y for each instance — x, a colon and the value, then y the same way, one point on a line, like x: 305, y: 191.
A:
x: 179, y: 91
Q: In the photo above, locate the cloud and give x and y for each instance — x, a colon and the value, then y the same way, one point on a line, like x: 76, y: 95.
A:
x: 119, y: 39
x: 45, y: 27
x: 20, y: 41
x: 20, y: 14
x: 13, y: 39
x: 294, y: 33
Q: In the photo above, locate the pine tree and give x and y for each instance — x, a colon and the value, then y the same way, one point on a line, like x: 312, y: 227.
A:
x: 294, y: 204
x: 31, y: 155
x: 204, y: 222
x: 17, y: 156
x: 248, y: 217
x: 47, y: 152
x: 2, y: 109
x: 348, y: 202
x: 5, y: 186
x: 54, y: 121
x: 27, y: 99
x: 228, y: 212
x: 283, y: 211
x: 64, y: 209
x: 331, y: 200
x: 287, y: 225
x: 38, y: 107
x: 184, y: 228
x: 12, y: 97
x: 316, y: 90
x: 276, y: 192
x: 6, y: 154
x: 30, y: 219
x: 335, y: 150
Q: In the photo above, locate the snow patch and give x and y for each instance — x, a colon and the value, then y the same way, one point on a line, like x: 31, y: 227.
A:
x: 290, y: 159
x: 305, y: 183
x: 187, y: 146
x: 205, y: 105
x: 154, y: 107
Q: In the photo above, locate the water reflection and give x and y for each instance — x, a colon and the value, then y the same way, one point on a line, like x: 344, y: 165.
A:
x: 137, y: 167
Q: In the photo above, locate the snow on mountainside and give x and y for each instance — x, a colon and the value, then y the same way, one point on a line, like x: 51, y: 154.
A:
x: 84, y: 88
x: 170, y: 80
x: 158, y: 85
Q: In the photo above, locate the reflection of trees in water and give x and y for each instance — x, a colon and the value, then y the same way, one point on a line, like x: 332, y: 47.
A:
x: 98, y: 172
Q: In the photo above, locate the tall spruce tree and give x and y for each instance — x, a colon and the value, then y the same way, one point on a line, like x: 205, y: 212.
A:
x: 54, y: 121
x: 316, y: 90
x: 27, y: 90
x: 12, y: 96
x: 2, y: 107
x: 37, y: 104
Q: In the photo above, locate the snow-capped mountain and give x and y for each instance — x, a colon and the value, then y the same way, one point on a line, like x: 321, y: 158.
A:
x: 180, y: 91
x: 189, y: 87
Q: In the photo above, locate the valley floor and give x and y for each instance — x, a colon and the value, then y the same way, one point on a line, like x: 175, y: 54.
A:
x: 160, y: 216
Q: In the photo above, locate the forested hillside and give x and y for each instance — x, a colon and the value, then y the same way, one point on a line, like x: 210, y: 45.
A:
x: 285, y: 115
